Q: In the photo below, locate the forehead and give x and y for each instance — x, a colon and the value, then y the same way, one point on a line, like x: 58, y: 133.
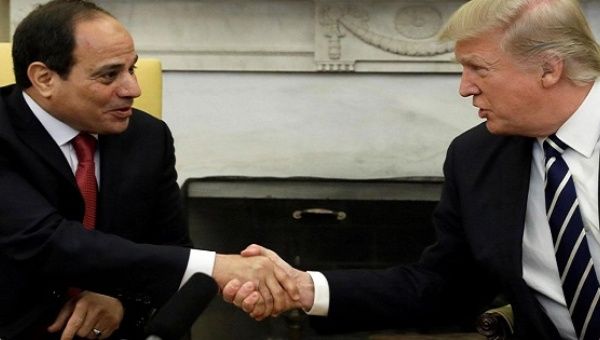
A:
x: 102, y: 37
x: 479, y: 49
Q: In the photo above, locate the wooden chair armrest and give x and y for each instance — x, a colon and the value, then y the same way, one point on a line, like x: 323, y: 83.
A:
x: 497, y: 323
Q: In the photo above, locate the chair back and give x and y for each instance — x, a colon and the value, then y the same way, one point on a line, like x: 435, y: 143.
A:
x: 6, y: 70
x: 148, y: 71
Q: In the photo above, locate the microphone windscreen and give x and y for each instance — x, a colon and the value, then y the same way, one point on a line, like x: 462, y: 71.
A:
x: 173, y: 320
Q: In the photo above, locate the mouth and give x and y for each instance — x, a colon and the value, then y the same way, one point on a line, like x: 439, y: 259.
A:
x: 121, y: 112
x: 482, y: 113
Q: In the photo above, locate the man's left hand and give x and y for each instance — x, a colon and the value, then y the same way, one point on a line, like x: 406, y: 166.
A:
x: 88, y: 315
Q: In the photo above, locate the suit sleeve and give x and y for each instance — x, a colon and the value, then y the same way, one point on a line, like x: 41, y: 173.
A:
x: 168, y: 223
x: 37, y: 239
x: 445, y: 286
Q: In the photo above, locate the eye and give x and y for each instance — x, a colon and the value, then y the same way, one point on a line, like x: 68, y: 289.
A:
x: 132, y: 69
x: 109, y: 77
x: 481, y: 68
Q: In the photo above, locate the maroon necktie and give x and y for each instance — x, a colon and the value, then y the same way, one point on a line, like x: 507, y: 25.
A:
x: 85, y: 175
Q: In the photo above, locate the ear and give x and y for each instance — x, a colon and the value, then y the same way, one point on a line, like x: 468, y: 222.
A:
x: 552, y: 71
x: 42, y: 78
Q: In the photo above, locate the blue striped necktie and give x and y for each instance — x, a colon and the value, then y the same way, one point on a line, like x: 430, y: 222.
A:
x: 575, y: 265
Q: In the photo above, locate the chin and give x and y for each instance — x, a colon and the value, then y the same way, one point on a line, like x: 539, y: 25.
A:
x: 496, y: 129
x: 115, y: 128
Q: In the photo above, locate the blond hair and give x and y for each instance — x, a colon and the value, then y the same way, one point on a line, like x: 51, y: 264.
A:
x: 532, y: 29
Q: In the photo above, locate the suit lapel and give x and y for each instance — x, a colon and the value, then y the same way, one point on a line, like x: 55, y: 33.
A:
x: 515, y: 175
x: 111, y: 165
x: 31, y: 132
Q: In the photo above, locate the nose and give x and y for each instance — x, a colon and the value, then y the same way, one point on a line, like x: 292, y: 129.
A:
x: 467, y: 86
x: 129, y: 87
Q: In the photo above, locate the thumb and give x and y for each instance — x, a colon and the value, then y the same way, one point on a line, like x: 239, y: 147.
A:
x: 253, y: 250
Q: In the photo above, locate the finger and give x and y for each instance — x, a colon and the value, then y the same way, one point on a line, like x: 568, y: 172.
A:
x: 91, y: 320
x: 251, y: 302
x: 265, y: 292
x: 278, y: 293
x: 106, y: 327
x: 275, y: 258
x: 96, y: 335
x: 74, y: 323
x: 103, y: 314
x: 231, y: 289
x: 271, y: 255
x: 255, y: 306
x: 246, y: 289
x: 106, y: 332
x: 288, y: 283
x: 62, y: 317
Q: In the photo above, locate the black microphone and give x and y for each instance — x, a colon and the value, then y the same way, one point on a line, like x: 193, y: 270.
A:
x: 175, y: 318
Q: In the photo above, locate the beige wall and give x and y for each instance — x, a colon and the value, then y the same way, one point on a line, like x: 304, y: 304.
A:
x: 245, y: 94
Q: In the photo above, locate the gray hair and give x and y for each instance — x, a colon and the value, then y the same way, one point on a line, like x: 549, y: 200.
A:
x: 532, y: 29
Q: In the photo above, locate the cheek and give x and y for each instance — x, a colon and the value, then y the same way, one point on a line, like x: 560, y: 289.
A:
x: 508, y: 98
x: 100, y: 95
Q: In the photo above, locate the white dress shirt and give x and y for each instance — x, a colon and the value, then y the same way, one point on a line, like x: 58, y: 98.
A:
x: 582, y: 133
x: 200, y: 261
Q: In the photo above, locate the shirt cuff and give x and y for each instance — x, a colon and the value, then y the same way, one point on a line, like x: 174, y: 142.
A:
x: 200, y: 261
x: 321, y: 304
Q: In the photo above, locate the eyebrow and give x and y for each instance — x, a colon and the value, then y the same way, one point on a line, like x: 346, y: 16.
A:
x: 112, y: 67
x: 475, y: 60
x: 471, y: 59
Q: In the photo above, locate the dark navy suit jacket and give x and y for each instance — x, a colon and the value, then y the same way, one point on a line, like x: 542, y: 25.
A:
x: 478, y: 253
x: 43, y: 247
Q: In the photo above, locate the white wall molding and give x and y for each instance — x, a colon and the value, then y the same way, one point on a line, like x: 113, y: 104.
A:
x: 286, y: 35
x: 291, y: 35
x: 378, y: 117
x: 382, y: 36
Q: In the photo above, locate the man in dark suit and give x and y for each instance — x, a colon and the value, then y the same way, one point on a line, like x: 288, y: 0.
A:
x: 502, y: 223
x: 86, y: 255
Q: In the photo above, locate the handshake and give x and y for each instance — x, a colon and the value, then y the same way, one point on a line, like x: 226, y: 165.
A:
x: 261, y: 283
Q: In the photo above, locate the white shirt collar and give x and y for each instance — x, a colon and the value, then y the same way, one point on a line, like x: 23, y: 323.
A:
x: 581, y: 131
x: 59, y: 131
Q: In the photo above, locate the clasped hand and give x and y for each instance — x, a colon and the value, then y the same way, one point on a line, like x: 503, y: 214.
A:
x: 287, y: 288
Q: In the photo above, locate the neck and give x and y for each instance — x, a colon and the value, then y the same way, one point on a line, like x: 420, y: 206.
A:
x: 562, y: 101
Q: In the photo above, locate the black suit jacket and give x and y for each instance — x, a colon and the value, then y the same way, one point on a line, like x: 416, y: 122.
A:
x: 43, y: 247
x: 478, y: 253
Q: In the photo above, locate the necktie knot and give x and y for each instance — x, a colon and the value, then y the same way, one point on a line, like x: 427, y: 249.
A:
x: 85, y: 147
x: 553, y: 147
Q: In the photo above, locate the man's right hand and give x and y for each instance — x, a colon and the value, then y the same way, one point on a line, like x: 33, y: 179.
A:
x: 248, y: 299
x: 272, y: 283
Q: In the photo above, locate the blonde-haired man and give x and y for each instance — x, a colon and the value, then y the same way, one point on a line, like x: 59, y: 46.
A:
x: 505, y: 224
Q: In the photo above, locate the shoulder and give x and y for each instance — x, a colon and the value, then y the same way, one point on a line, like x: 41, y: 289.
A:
x: 143, y: 125
x: 7, y: 96
x: 479, y: 141
x: 142, y: 119
x: 477, y: 153
x: 476, y: 134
